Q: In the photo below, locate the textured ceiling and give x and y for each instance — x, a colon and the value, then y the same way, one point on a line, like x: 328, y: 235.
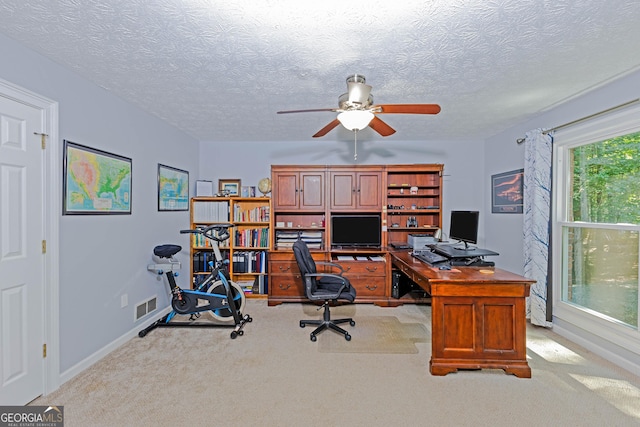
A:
x: 220, y: 70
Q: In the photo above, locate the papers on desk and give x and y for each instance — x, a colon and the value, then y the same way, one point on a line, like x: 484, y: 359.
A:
x: 359, y: 258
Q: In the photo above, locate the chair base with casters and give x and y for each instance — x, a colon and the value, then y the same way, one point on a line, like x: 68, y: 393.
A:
x: 327, y: 323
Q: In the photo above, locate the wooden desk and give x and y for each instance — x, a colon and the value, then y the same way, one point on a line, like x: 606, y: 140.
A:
x: 477, y: 316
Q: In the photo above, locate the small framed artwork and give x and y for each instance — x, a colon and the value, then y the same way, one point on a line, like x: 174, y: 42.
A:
x: 95, y: 182
x: 173, y: 189
x: 507, y: 192
x: 229, y: 187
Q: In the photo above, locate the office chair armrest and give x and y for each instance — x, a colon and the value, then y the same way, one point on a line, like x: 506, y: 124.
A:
x: 331, y: 264
x: 345, y: 285
x: 337, y: 276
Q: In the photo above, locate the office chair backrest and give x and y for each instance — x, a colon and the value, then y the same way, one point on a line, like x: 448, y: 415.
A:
x: 305, y: 261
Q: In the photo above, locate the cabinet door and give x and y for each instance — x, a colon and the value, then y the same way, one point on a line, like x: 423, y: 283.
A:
x: 356, y: 190
x: 312, y: 191
x: 369, y: 190
x: 343, y: 190
x: 285, y: 185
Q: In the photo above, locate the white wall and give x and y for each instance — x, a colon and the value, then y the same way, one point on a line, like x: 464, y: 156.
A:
x: 463, y: 167
x: 104, y: 257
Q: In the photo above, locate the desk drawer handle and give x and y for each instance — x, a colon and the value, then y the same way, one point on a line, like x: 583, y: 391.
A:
x: 284, y: 269
x: 371, y: 269
x: 347, y: 268
x: 372, y: 288
x: 285, y: 287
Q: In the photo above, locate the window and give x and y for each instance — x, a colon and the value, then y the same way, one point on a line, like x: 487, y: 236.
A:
x: 598, y: 224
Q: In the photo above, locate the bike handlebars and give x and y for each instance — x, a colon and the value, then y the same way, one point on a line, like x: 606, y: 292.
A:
x: 222, y: 231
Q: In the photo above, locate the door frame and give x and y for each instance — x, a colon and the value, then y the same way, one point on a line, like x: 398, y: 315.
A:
x: 51, y: 208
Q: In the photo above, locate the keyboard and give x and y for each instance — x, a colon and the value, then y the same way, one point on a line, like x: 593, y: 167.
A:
x: 429, y: 257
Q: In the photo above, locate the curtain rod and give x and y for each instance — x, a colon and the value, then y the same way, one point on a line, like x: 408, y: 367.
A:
x: 591, y: 116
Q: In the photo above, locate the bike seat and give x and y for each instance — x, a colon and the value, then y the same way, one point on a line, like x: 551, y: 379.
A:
x: 166, y: 251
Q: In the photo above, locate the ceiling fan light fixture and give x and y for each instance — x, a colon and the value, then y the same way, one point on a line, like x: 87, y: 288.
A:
x: 355, y: 119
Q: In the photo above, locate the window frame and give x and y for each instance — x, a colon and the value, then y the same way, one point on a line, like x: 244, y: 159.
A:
x: 614, y: 124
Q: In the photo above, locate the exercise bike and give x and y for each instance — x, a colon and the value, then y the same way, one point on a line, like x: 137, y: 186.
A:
x: 216, y: 294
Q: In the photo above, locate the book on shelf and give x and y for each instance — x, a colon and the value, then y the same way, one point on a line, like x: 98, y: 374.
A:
x: 249, y: 262
x: 256, y: 286
x: 260, y: 284
x: 257, y: 214
x: 252, y: 238
x: 246, y: 286
x: 210, y: 211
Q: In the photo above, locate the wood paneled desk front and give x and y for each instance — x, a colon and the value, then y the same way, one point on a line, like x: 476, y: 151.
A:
x: 477, y: 316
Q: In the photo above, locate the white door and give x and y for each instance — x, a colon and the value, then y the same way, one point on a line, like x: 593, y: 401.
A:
x: 21, y: 253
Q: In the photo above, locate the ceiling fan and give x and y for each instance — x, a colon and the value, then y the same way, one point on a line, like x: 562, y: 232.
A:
x: 357, y: 110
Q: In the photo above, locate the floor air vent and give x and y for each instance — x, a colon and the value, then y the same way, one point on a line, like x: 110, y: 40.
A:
x: 146, y: 307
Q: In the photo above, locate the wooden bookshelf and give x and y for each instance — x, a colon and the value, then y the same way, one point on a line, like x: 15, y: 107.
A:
x: 248, y: 247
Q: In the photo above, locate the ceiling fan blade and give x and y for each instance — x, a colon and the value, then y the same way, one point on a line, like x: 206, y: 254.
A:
x: 381, y: 127
x: 325, y: 130
x: 408, y: 108
x: 307, y: 111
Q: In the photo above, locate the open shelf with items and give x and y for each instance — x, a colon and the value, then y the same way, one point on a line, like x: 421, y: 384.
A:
x: 413, y: 202
x: 248, y: 247
x: 309, y: 226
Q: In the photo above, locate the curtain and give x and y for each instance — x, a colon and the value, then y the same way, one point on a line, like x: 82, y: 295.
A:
x: 537, y: 226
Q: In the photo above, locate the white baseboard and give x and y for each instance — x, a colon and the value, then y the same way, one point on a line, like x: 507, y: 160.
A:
x: 603, y: 352
x: 104, y: 351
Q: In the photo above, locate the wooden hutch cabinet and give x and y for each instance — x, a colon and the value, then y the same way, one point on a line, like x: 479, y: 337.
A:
x: 299, y: 189
x: 359, y: 189
x: 304, y: 198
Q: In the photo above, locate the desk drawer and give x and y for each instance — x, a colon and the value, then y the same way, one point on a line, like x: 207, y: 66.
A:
x: 285, y: 262
x: 364, y: 268
x: 368, y: 286
x: 286, y: 286
x: 283, y: 267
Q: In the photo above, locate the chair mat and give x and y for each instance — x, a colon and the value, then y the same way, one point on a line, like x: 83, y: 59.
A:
x: 374, y: 334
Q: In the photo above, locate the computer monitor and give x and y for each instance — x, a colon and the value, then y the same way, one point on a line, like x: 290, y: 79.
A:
x: 356, y: 231
x: 464, y: 227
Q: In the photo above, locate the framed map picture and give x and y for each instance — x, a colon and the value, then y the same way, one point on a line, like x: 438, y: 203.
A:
x: 173, y: 189
x: 95, y: 182
x: 507, y: 193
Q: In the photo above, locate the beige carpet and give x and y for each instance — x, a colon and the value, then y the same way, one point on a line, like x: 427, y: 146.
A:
x: 375, y: 334
x: 275, y: 376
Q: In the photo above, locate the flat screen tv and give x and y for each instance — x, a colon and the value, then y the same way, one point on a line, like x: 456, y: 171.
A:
x: 464, y: 227
x: 356, y: 231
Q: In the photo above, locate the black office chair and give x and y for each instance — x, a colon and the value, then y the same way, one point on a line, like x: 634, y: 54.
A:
x: 324, y: 287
